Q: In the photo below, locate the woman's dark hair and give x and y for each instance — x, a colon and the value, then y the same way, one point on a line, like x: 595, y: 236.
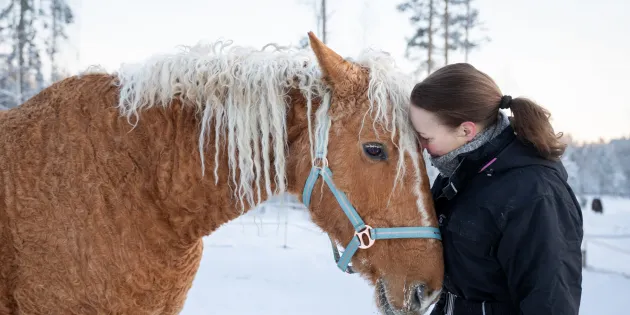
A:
x: 459, y: 92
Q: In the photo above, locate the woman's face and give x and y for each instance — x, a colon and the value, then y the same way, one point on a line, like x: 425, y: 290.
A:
x: 436, y: 138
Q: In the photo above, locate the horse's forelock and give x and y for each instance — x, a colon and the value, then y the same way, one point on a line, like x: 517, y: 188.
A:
x: 389, y: 91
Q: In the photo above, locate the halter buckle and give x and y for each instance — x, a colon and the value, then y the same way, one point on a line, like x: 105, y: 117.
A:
x: 366, y: 231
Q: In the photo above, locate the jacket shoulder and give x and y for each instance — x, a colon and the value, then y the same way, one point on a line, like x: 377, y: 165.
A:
x: 516, y: 189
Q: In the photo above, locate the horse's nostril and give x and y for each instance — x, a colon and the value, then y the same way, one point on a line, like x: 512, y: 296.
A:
x: 420, y: 294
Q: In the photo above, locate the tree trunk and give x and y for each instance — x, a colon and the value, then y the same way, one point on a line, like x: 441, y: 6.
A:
x: 467, y: 28
x: 54, y: 75
x: 21, y: 42
x: 430, y: 48
x: 324, y: 21
x: 446, y: 21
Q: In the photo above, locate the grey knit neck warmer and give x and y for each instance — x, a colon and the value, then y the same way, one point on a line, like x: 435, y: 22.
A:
x: 447, y: 163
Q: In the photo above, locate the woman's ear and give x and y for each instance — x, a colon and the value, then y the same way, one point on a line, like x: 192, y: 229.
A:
x: 468, y: 130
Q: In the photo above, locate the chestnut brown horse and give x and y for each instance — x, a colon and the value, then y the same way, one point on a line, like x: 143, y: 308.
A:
x: 110, y: 181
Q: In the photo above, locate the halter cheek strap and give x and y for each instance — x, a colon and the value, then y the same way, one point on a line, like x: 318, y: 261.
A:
x: 365, y: 235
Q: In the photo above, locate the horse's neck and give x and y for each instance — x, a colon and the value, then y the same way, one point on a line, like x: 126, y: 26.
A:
x: 298, y: 139
x: 196, y: 204
x: 190, y: 202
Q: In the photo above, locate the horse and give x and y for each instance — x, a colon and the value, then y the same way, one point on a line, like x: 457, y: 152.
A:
x: 596, y: 205
x: 111, y: 180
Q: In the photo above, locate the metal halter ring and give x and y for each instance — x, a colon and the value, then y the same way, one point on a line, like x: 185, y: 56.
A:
x: 367, y: 232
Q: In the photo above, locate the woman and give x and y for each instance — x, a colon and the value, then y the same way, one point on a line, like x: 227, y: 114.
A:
x: 510, y: 223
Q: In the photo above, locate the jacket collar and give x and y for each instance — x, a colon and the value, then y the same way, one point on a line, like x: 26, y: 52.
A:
x: 472, y: 163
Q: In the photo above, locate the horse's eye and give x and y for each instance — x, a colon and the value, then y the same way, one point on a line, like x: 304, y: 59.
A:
x: 375, y: 151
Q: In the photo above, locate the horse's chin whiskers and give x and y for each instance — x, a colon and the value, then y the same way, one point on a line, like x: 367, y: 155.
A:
x: 385, y: 306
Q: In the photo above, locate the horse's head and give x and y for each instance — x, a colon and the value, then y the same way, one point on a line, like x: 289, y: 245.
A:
x: 353, y: 154
x: 365, y: 182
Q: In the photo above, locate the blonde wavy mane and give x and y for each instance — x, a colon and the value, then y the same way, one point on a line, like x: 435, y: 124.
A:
x: 240, y: 94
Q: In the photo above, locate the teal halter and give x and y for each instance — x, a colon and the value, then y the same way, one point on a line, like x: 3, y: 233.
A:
x: 361, y: 229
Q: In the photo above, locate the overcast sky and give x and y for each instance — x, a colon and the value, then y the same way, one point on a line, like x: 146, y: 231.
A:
x: 569, y: 55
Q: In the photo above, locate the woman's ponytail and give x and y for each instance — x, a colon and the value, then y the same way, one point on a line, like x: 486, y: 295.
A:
x: 531, y: 124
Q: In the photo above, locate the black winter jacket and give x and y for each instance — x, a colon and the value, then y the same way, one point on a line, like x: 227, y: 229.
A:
x: 511, y: 233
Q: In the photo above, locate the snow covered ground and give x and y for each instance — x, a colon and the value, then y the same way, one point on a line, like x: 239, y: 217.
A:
x: 246, y: 268
x: 606, y: 281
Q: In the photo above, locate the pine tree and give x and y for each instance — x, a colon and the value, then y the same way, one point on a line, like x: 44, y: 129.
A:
x: 573, y: 169
x: 440, y: 26
x: 60, y: 16
x: 322, y: 16
x: 619, y: 150
x: 465, y: 23
x: 450, y: 31
x: 421, y: 45
x: 23, y: 23
x: 23, y: 61
x: 603, y: 168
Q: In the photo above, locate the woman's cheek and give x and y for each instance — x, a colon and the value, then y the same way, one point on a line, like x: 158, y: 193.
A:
x: 432, y: 150
x: 435, y: 150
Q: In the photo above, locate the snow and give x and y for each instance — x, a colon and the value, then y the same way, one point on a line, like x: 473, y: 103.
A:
x: 606, y: 282
x: 246, y: 268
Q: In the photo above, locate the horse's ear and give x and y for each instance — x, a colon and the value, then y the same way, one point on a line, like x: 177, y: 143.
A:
x: 335, y: 69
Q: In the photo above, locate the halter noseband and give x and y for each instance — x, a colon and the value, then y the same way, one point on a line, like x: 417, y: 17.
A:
x: 362, y: 230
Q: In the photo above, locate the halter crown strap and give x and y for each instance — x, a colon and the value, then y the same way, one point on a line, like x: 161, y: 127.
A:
x: 365, y: 235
